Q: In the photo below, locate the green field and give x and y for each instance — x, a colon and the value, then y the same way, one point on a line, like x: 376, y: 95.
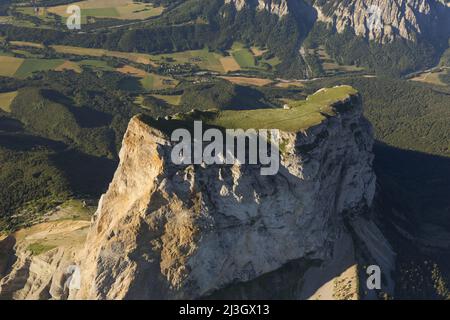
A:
x: 34, y: 65
x: 302, y: 115
x: 96, y: 64
x: 204, y: 59
x: 150, y: 82
x: 131, y: 56
x: 23, y: 68
x: 329, y: 65
x: 100, y: 12
x: 246, y: 58
x: 243, y: 56
x: 239, y: 58
x: 174, y: 100
x: 433, y: 77
x: 30, y: 12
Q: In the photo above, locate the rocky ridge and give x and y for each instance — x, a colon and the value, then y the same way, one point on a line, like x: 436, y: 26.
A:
x: 379, y: 20
x: 386, y: 20
x: 165, y: 231
x: 278, y: 7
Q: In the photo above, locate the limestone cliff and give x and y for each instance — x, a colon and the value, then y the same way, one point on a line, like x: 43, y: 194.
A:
x: 386, y: 20
x: 278, y: 7
x: 164, y: 231
x: 378, y: 20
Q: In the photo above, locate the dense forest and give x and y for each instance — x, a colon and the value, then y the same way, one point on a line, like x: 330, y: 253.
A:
x: 62, y: 144
x: 393, y: 59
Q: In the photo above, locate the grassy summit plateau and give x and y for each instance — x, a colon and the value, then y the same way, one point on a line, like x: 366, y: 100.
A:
x: 300, y: 116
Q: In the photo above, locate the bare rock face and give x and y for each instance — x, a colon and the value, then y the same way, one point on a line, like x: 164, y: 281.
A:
x: 379, y: 20
x: 386, y: 20
x: 278, y: 7
x: 164, y: 231
x: 41, y: 275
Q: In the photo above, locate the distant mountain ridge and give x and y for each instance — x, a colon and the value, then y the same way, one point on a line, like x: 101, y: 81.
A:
x: 278, y: 7
x: 385, y: 36
x: 378, y: 20
x: 385, y: 20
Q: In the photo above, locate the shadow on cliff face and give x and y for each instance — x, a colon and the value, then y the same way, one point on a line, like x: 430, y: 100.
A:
x: 412, y: 194
x: 284, y: 283
x: 7, y: 257
x: 413, y: 207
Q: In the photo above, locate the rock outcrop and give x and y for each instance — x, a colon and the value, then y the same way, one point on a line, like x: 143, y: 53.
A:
x: 47, y: 272
x: 386, y: 20
x: 379, y: 20
x: 164, y: 231
x: 278, y: 7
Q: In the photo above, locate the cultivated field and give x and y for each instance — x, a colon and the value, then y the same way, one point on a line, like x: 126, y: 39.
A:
x: 330, y: 66
x: 257, y: 52
x: 156, y: 82
x: 27, y: 44
x: 204, y: 59
x: 243, y: 56
x: 9, y: 65
x: 29, y: 66
x: 95, y: 64
x: 23, y: 68
x: 432, y: 77
x: 247, y: 57
x: 289, y: 84
x: 6, y: 99
x: 69, y: 65
x: 147, y: 82
x: 238, y: 58
x: 114, y: 9
x: 259, y: 82
x: 229, y: 64
x: 131, y: 56
x: 132, y: 71
x: 170, y: 99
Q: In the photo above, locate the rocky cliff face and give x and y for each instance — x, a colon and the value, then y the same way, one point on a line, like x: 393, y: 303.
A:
x: 166, y: 232
x: 278, y: 7
x: 386, y: 20
x: 45, y: 273
x: 379, y: 20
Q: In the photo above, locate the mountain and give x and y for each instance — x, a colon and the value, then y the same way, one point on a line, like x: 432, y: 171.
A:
x: 386, y: 36
x: 164, y: 231
x: 384, y: 21
x: 280, y: 7
x: 378, y: 20
x: 346, y: 196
